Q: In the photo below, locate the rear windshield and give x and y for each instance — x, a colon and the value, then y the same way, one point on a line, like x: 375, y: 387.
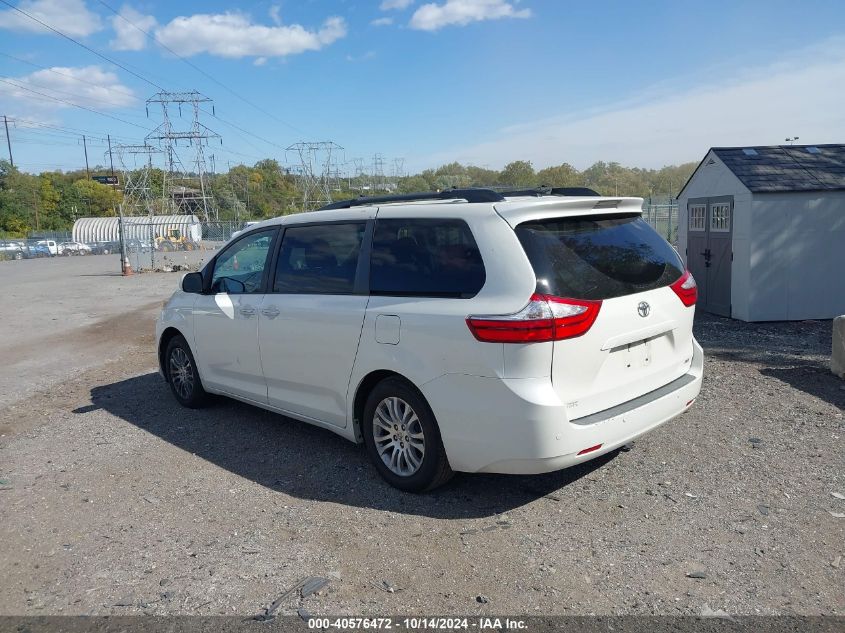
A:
x: 598, y: 257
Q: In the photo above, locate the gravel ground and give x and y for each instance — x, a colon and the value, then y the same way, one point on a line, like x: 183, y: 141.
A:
x: 113, y: 500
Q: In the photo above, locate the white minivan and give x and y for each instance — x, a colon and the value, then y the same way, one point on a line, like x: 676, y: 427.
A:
x: 467, y: 330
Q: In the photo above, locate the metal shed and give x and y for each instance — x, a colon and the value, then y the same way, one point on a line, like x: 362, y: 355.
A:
x: 763, y: 231
x: 142, y: 228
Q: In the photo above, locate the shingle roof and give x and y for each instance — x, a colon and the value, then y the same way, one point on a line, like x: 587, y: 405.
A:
x: 787, y: 167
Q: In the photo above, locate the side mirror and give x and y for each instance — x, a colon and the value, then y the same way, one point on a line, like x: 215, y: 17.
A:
x: 192, y: 282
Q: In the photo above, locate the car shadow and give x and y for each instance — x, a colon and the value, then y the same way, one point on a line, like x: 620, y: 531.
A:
x: 308, y: 462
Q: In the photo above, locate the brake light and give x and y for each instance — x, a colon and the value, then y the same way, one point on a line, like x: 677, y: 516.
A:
x: 686, y: 289
x: 545, y: 318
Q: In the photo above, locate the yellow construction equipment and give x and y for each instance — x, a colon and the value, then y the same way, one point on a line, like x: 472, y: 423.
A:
x: 173, y: 241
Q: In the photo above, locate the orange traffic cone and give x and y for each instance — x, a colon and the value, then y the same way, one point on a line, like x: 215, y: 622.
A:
x: 127, y: 267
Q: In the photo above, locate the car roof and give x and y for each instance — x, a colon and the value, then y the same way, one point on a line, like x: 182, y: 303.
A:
x: 514, y: 209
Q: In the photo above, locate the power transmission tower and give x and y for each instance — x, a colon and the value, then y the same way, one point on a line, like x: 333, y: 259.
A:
x: 187, y: 189
x: 398, y: 167
x: 316, y: 172
x: 378, y: 181
x: 136, y: 163
x: 398, y: 172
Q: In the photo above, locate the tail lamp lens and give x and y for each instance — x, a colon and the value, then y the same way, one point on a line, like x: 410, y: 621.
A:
x: 545, y: 318
x: 686, y: 289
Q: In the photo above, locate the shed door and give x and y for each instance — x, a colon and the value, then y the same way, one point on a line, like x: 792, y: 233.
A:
x: 710, y: 252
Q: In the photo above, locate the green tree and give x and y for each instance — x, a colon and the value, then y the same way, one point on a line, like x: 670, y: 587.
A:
x: 564, y: 175
x: 519, y: 173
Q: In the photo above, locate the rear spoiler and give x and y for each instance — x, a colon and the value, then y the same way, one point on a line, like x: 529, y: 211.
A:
x: 517, y: 211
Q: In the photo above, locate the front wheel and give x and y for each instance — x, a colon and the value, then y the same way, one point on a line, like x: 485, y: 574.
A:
x: 403, y: 439
x: 181, y: 371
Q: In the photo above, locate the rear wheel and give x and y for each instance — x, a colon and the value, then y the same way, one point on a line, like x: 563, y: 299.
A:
x: 403, y: 439
x: 181, y: 371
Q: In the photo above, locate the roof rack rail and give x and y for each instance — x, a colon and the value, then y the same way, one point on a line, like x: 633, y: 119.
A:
x: 470, y: 195
x: 549, y: 191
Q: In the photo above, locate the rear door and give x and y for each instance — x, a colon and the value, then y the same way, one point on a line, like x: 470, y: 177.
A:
x: 642, y: 338
x: 310, y: 322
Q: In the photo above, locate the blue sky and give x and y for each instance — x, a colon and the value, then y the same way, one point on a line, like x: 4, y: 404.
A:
x: 481, y: 81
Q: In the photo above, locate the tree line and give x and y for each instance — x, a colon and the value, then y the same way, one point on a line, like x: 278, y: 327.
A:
x: 53, y: 200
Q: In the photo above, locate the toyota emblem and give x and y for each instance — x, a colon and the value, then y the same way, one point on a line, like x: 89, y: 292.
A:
x: 643, y: 309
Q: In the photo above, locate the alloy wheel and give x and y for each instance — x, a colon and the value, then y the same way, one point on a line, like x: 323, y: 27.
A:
x: 181, y: 373
x: 398, y: 436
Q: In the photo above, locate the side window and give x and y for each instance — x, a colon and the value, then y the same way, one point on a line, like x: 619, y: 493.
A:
x: 696, y: 217
x: 426, y: 258
x: 720, y: 218
x: 240, y: 268
x: 319, y: 259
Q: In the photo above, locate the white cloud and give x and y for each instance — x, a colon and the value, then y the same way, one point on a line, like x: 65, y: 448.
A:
x: 276, y: 14
x: 70, y: 16
x: 361, y: 58
x: 388, y: 5
x: 90, y: 86
x: 235, y: 35
x: 431, y: 17
x: 756, y: 106
x: 382, y: 22
x: 127, y: 37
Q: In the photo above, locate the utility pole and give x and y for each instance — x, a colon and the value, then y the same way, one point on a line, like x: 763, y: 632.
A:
x: 8, y: 140
x: 85, y: 146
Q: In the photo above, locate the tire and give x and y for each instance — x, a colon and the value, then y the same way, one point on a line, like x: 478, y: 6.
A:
x: 185, y: 385
x: 18, y: 256
x: 424, y: 469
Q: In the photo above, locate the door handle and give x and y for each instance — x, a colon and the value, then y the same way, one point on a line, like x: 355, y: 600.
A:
x: 271, y: 312
x: 247, y: 311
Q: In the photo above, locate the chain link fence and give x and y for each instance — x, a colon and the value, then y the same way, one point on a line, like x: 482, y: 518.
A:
x: 663, y: 218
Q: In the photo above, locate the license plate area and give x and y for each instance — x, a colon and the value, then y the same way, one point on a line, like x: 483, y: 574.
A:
x: 636, y: 355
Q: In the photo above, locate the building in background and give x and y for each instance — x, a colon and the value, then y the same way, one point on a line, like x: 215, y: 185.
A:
x: 763, y: 231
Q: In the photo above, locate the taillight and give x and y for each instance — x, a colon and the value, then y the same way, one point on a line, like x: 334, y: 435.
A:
x: 545, y: 318
x: 686, y: 289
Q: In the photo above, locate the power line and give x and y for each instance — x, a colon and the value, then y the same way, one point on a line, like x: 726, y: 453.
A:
x: 197, y: 68
x: 78, y: 43
x: 69, y: 130
x: 75, y: 105
x: 240, y: 129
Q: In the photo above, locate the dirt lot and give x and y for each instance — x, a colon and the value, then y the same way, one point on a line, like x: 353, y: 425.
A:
x: 113, y: 500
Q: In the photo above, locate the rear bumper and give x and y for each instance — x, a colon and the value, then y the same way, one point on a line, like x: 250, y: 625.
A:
x: 520, y: 426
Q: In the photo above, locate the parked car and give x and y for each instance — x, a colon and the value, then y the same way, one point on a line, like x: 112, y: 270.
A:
x: 104, y: 248
x: 479, y: 332
x: 51, y: 245
x: 74, y: 248
x: 134, y: 245
x: 11, y: 250
x: 36, y: 251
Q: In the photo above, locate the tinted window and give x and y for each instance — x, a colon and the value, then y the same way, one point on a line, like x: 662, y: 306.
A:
x: 319, y: 259
x: 598, y: 257
x: 240, y: 268
x: 432, y: 258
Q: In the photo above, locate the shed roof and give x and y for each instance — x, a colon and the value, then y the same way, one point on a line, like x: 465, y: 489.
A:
x: 784, y: 168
